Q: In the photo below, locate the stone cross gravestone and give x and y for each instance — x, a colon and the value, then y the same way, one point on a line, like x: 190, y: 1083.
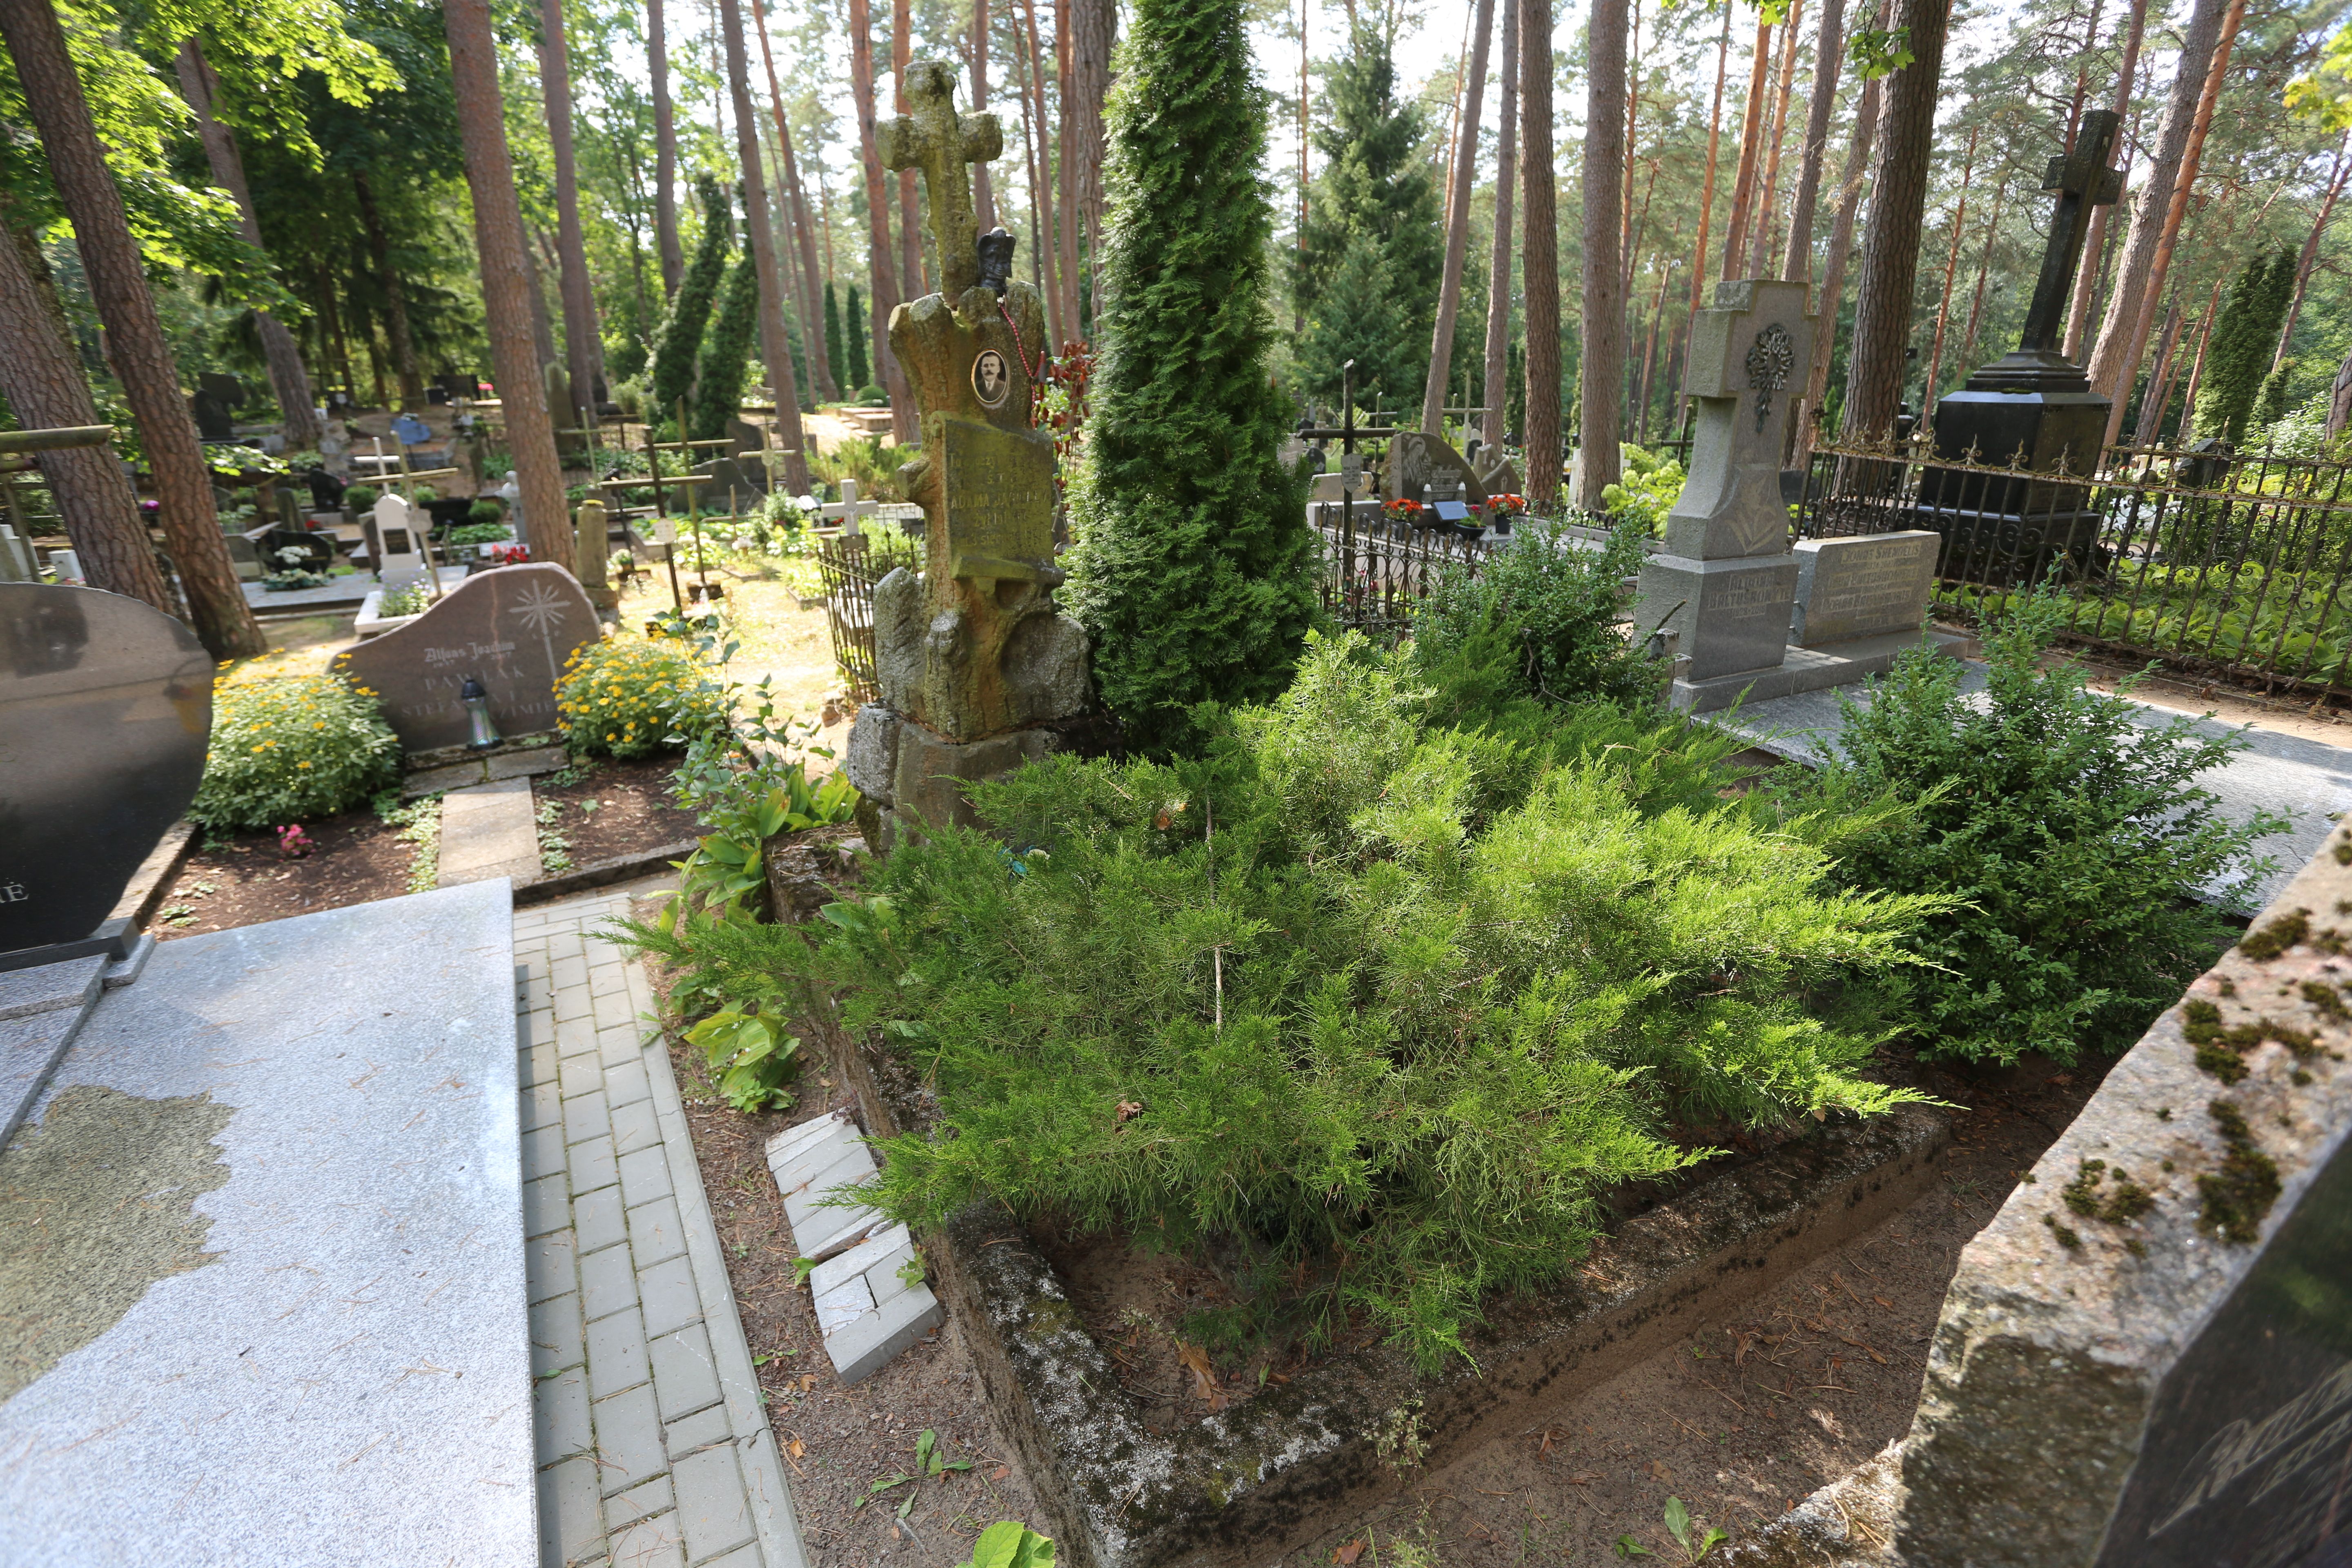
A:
x: 511, y: 629
x: 105, y: 708
x: 974, y: 653
x: 849, y: 510
x: 592, y: 544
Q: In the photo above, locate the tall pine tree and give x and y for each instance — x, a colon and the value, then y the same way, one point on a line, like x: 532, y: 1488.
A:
x: 1372, y: 220
x: 1192, y: 566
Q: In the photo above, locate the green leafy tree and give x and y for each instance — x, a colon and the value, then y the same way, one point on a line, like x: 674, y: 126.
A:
x: 1192, y: 566
x: 726, y: 353
x: 853, y: 333
x: 689, y: 307
x: 2077, y: 838
x: 1376, y: 193
x: 2238, y: 355
x: 833, y: 345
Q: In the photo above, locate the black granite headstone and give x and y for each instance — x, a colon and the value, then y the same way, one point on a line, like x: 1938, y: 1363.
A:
x: 215, y: 421
x: 105, y: 708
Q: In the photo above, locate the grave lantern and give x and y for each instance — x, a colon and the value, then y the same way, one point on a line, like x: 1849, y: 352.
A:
x: 481, y: 734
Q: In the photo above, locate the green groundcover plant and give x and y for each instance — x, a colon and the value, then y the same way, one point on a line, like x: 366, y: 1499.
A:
x: 292, y: 749
x: 2075, y: 839
x: 1376, y: 1005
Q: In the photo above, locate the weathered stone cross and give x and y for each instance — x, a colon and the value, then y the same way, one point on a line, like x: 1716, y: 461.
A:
x: 1748, y: 360
x: 2081, y: 181
x: 938, y: 140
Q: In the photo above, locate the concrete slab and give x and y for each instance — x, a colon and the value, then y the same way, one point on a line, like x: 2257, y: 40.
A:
x: 488, y: 831
x: 484, y: 770
x: 51, y: 987
x: 2307, y: 782
x: 331, y: 1363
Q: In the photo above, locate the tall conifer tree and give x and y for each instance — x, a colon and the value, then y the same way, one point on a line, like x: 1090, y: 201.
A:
x: 853, y: 341
x: 2239, y: 353
x: 833, y: 354
x: 1192, y: 566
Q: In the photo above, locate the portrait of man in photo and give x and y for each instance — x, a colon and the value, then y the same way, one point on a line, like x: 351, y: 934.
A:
x: 990, y: 378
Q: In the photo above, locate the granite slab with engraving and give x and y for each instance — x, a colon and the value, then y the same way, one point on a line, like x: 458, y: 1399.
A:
x: 105, y: 708
x: 1864, y: 587
x: 511, y: 629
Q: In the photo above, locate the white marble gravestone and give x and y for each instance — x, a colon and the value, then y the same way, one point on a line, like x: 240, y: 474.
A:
x: 398, y: 553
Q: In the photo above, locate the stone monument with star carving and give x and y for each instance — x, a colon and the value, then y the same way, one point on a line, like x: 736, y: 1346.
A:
x: 975, y: 662
x: 1724, y: 591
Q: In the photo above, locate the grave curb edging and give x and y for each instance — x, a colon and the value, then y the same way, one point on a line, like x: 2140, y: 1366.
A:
x: 601, y: 873
x: 1255, y: 1483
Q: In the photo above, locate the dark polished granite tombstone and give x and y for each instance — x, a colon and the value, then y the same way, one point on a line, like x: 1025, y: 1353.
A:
x: 105, y: 706
x: 2031, y: 409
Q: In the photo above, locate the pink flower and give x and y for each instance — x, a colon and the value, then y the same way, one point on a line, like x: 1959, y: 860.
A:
x: 293, y: 843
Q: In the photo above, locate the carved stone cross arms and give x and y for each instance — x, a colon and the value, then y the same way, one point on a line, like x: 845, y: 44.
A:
x: 939, y: 142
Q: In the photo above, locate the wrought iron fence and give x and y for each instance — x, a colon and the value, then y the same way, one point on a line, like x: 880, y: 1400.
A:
x: 2202, y: 558
x: 849, y: 565
x: 1376, y: 571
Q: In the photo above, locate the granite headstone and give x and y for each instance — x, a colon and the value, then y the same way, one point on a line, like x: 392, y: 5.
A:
x: 511, y: 629
x: 1864, y: 587
x: 105, y: 708
x: 1416, y: 458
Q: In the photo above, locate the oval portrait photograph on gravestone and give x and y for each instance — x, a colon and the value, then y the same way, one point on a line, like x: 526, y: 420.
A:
x: 991, y: 378
x: 511, y: 629
x: 105, y: 708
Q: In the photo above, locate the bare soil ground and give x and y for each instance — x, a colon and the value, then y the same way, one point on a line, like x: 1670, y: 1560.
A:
x: 241, y: 879
x: 604, y: 808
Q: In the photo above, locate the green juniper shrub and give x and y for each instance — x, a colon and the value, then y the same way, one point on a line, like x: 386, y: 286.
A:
x: 2074, y: 838
x: 485, y: 511
x: 361, y: 498
x: 1556, y: 603
x: 1378, y: 1005
x: 292, y: 749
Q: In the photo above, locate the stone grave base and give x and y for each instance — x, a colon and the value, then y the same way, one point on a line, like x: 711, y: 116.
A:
x: 1807, y: 669
x: 274, y: 1311
x: 372, y: 622
x: 1248, y: 1484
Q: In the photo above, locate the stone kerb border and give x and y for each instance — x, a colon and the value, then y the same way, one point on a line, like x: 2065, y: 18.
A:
x: 1248, y: 1483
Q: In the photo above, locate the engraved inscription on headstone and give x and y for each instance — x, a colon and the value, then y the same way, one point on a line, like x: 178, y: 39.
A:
x: 1864, y: 587
x: 999, y: 487
x: 511, y: 629
x: 105, y: 708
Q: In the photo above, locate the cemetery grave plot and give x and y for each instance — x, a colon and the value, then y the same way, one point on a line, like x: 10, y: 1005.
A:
x: 604, y: 809
x: 243, y: 879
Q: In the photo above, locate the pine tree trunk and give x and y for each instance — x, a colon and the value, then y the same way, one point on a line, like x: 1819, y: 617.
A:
x: 910, y: 210
x: 287, y: 379
x: 1627, y: 245
x: 1759, y: 248
x: 984, y: 192
x: 2154, y: 396
x: 1093, y: 23
x: 508, y: 284
x: 1851, y: 179
x: 2335, y: 178
x: 2122, y: 336
x: 1984, y: 270
x: 666, y: 240
x: 1457, y: 230
x: 1497, y: 396
x: 1797, y: 260
x: 1890, y: 261
x: 1706, y: 189
x: 44, y: 385
x: 583, y: 347
x: 1539, y: 259
x: 809, y: 289
x: 1650, y: 355
x: 2078, y: 312
x: 395, y: 295
x: 542, y: 325
x: 2195, y: 369
x: 1951, y: 270
x: 135, y: 335
x: 1743, y: 183
x: 882, y: 270
x: 775, y: 346
x: 1602, y: 365
x: 1041, y: 183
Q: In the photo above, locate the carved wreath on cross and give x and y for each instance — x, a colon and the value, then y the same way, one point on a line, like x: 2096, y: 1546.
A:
x: 1770, y: 360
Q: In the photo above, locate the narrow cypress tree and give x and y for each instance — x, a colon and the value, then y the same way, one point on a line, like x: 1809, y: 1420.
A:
x: 1192, y: 567
x: 689, y: 307
x: 2270, y: 404
x: 726, y: 353
x: 853, y: 338
x: 833, y: 354
x: 2238, y: 355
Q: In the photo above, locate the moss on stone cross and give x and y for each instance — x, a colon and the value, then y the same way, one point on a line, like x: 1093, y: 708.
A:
x: 939, y: 142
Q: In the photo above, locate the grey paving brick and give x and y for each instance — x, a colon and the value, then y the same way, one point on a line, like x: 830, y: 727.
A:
x: 618, y: 1044
x: 699, y: 1430
x: 640, y: 1503
x: 656, y: 1232
x: 593, y: 1164
x: 670, y: 1298
x: 584, y: 1117
x: 560, y: 1415
x: 569, y: 971
x: 575, y: 1036
x: 608, y: 1283
x: 547, y: 1265
x: 793, y: 1171
x: 744, y: 1556
x: 542, y: 1106
x: 546, y: 1205
x: 581, y: 1075
x: 608, y: 975
x: 625, y: 1084
x: 657, y: 1543
x: 792, y: 1139
x: 635, y: 1127
x: 616, y: 1353
x: 570, y: 1529
x: 836, y: 1270
x: 645, y: 1175
x: 614, y: 1008
x: 572, y: 1002
x: 543, y: 1149
x: 710, y: 1501
x: 628, y: 1439
x: 558, y: 1337
x: 535, y: 1063
x: 866, y: 1346
x: 597, y: 1220
x: 685, y: 1378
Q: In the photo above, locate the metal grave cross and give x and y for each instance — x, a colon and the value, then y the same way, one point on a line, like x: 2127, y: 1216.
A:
x: 2081, y: 181
x: 848, y: 509
x: 937, y: 140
